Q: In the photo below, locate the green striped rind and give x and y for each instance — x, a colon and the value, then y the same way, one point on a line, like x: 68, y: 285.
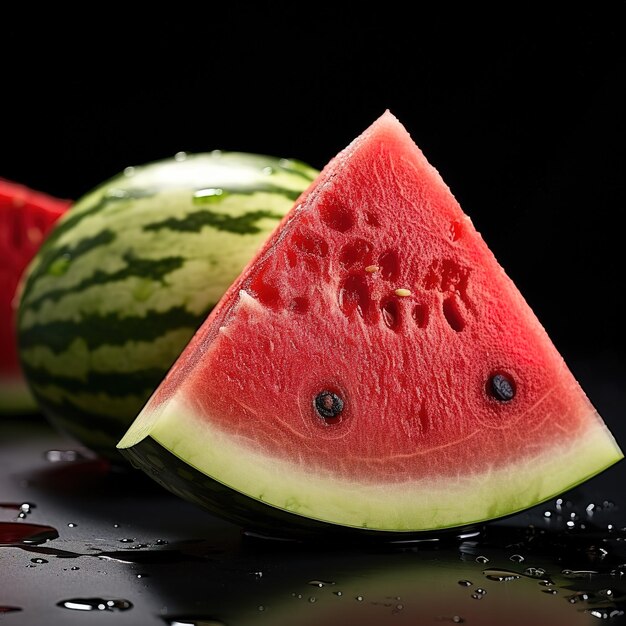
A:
x: 213, y: 464
x: 131, y: 271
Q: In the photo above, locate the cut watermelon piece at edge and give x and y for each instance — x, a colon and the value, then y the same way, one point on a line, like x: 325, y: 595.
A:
x: 26, y: 217
x: 372, y: 368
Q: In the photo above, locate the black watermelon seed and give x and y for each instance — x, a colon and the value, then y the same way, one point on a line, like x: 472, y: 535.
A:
x: 328, y: 404
x: 501, y: 388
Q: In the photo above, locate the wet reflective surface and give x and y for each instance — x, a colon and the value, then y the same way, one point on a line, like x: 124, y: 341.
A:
x: 79, y: 536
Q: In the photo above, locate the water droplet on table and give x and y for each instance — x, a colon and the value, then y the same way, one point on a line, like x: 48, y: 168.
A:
x: 320, y: 583
x: 95, y: 604
x: 63, y: 456
x: 501, y: 575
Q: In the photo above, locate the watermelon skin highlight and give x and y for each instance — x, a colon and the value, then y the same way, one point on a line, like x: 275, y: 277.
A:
x: 26, y: 217
x: 375, y: 287
x: 129, y: 274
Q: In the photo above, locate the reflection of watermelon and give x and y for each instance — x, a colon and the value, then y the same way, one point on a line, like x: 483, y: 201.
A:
x: 26, y: 216
x: 374, y: 367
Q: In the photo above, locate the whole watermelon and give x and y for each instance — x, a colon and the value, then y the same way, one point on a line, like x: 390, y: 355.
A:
x: 130, y: 272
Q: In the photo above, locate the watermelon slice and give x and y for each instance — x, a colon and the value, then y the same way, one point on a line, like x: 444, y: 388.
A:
x: 26, y: 216
x: 373, y: 368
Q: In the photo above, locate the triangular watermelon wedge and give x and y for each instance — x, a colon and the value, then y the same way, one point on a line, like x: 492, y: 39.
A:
x: 372, y: 368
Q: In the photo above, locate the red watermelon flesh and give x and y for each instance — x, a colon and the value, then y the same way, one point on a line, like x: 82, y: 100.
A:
x: 375, y: 367
x: 26, y: 217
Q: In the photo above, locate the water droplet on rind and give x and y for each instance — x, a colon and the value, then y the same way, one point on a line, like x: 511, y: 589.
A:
x: 209, y: 195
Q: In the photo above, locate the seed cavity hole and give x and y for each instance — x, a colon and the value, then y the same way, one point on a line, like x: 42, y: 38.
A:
x: 309, y: 243
x: 299, y: 305
x: 446, y: 275
x: 453, y: 315
x: 389, y: 265
x: 291, y: 257
x: 501, y: 387
x: 266, y: 293
x: 419, y: 313
x: 456, y: 231
x: 371, y: 219
x: 390, y: 312
x: 336, y: 216
x: 354, y: 296
x: 354, y: 252
x: 329, y: 406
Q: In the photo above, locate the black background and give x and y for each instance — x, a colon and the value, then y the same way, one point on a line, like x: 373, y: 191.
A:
x: 520, y: 109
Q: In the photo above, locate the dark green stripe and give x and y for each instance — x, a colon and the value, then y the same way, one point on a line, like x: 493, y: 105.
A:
x: 56, y: 261
x: 152, y: 269
x: 114, y: 384
x: 74, y: 217
x: 245, y: 224
x: 109, y: 329
x: 49, y: 254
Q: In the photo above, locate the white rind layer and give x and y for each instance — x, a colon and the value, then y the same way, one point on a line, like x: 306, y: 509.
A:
x: 402, y: 506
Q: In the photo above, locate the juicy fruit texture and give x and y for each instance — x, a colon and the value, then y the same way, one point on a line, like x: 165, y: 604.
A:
x: 129, y: 274
x: 26, y: 217
x: 373, y: 368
